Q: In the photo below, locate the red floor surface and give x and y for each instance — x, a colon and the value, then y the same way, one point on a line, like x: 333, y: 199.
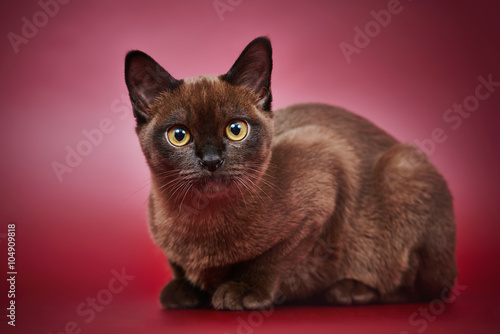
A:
x: 62, y: 77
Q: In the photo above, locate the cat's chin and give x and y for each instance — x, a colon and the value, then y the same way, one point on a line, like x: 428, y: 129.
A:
x: 213, y: 187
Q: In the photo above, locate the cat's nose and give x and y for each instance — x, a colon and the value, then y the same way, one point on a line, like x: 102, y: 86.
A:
x: 211, y: 163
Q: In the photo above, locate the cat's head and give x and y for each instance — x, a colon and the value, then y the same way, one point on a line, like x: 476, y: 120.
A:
x: 209, y: 135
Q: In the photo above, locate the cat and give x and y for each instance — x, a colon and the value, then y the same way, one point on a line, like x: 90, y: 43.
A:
x: 253, y: 206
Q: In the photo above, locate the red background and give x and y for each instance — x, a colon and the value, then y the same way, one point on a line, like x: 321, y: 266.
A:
x: 69, y: 77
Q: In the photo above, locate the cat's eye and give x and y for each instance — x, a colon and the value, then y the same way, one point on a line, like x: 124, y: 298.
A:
x: 178, y: 136
x: 236, y: 130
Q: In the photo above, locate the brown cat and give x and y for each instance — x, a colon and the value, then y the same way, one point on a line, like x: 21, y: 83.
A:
x: 252, y: 206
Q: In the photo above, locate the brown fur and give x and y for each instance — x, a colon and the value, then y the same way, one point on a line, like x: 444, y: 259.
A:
x: 326, y: 203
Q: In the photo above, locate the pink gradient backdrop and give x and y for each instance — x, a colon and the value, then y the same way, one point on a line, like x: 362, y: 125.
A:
x: 69, y: 77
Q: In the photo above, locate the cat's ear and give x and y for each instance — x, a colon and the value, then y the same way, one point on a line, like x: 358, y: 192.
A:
x: 253, y: 69
x: 145, y: 80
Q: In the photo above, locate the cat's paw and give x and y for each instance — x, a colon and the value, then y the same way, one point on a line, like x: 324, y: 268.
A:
x: 351, y: 292
x: 182, y: 294
x: 237, y: 296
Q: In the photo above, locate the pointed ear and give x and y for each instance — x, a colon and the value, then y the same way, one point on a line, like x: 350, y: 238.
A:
x: 145, y: 80
x: 253, y: 69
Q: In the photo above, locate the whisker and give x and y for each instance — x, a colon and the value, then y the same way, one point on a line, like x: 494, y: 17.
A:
x: 178, y: 186
x: 145, y: 184
x: 261, y: 191
x: 169, y: 183
x: 189, y: 186
x: 264, y: 181
x: 258, y: 170
x: 241, y: 192
x: 254, y: 190
x: 146, y: 201
x: 169, y: 172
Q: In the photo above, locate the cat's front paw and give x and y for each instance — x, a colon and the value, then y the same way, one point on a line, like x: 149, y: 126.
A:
x: 236, y: 296
x: 180, y: 293
x: 351, y: 292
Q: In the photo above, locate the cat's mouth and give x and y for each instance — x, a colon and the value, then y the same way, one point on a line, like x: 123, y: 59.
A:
x: 213, y: 186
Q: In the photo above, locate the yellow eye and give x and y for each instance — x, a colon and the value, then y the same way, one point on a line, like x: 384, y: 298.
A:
x: 236, y: 130
x: 178, y: 136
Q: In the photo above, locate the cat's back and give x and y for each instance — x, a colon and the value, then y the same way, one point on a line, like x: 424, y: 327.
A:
x: 364, y: 137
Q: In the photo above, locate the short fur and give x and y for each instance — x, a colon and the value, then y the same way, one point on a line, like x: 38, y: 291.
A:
x: 315, y: 201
